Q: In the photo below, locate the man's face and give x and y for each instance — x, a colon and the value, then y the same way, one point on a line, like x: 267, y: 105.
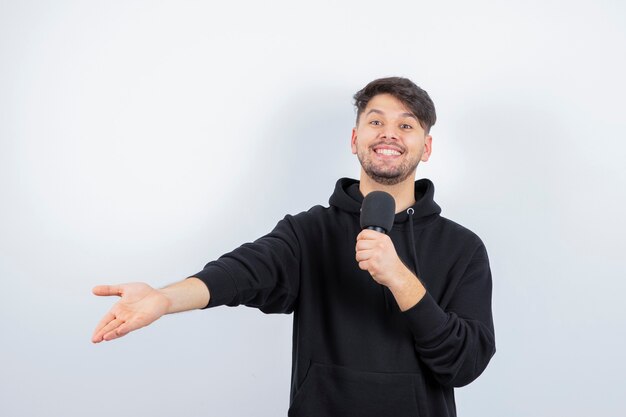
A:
x: 389, y: 141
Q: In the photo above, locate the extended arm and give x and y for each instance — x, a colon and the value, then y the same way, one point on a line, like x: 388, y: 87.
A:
x: 261, y: 274
x: 140, y: 305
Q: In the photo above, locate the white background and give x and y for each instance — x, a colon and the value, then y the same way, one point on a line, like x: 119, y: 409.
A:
x: 141, y: 139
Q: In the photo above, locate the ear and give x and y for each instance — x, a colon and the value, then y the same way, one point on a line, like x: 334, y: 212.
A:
x: 428, y: 148
x: 353, y: 141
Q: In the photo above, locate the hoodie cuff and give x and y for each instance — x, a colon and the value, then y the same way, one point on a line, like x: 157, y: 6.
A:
x: 222, y: 289
x: 425, y: 317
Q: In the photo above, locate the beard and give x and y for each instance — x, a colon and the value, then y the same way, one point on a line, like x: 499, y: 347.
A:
x: 387, y: 175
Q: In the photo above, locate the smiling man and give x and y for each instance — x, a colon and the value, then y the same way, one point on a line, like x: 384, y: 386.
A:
x: 384, y: 324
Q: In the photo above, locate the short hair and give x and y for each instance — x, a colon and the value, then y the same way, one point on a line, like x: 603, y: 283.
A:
x: 413, y: 97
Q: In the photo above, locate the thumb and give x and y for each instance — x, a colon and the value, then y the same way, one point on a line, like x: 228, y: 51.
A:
x: 105, y: 290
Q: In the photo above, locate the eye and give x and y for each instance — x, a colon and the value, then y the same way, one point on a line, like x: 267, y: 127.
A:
x: 405, y: 126
x: 376, y: 122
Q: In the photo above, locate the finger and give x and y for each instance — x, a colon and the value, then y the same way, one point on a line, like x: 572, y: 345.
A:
x: 111, y: 335
x: 105, y: 290
x: 128, y: 327
x: 97, y: 333
x: 367, y: 234
x: 120, y: 331
x: 365, y: 245
x: 113, y: 325
x: 364, y: 265
x: 363, y: 255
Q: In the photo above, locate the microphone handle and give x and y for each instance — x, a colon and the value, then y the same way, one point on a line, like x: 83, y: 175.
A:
x: 378, y: 229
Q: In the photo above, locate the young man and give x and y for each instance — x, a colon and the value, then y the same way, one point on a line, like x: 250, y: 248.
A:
x: 384, y: 324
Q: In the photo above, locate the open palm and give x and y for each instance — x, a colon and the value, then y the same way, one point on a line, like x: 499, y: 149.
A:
x: 139, y: 305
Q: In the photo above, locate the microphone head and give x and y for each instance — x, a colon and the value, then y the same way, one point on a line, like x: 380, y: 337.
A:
x: 378, y: 210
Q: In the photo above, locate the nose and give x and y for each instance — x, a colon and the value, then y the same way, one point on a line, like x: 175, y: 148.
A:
x: 390, y: 133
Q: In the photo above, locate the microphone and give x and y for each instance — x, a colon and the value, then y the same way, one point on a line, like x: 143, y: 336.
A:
x: 378, y: 211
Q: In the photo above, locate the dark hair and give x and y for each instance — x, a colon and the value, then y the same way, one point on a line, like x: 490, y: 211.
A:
x: 403, y: 89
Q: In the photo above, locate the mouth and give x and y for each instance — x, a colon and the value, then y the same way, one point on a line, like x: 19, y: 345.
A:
x: 387, y: 150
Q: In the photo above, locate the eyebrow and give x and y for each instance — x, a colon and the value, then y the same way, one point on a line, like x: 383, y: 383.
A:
x: 407, y: 114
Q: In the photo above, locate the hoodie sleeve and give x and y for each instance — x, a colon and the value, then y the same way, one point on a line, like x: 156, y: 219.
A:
x: 457, y: 343
x: 262, y: 274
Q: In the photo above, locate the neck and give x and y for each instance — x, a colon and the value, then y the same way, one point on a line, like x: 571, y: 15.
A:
x: 403, y: 193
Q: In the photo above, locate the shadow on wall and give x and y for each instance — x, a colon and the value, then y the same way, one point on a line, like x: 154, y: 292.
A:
x: 304, y: 149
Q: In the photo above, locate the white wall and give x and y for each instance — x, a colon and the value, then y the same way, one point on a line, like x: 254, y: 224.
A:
x: 141, y: 139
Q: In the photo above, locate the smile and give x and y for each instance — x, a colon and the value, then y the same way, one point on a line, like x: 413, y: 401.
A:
x: 387, y: 152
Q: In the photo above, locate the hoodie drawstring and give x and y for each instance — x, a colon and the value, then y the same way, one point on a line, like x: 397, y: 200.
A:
x: 388, y: 302
x: 410, y: 212
x: 386, y: 297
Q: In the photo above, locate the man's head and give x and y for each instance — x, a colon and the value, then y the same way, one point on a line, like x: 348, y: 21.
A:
x: 391, y: 135
x: 416, y: 100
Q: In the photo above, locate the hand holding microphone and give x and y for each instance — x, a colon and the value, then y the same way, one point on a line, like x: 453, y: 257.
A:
x: 376, y: 253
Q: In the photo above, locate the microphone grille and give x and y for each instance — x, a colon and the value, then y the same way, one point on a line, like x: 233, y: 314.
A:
x: 378, y: 209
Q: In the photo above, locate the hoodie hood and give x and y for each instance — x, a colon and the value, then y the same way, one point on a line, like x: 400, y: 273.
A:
x: 348, y: 197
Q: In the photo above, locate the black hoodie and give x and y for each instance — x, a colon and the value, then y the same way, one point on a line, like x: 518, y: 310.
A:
x: 354, y: 352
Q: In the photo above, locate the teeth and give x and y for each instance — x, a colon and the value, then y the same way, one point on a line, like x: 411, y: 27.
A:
x: 387, y: 152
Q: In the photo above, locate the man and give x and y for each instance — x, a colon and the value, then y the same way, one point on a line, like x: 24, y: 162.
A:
x: 384, y: 324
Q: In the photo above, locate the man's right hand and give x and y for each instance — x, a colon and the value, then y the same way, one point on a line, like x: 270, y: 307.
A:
x: 139, y: 305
